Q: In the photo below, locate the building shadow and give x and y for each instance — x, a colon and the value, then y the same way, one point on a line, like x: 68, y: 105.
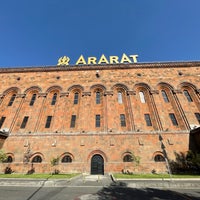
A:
x: 120, y: 191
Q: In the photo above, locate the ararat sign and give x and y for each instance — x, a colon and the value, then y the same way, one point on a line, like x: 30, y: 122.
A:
x: 102, y: 60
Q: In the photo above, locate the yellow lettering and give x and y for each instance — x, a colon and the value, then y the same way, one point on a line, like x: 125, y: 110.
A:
x: 81, y: 61
x: 92, y: 60
x: 114, y: 59
x: 125, y: 59
x: 134, y: 57
x: 103, y: 60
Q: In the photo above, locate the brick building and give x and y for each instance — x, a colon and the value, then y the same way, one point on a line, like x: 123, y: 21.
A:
x: 98, y: 119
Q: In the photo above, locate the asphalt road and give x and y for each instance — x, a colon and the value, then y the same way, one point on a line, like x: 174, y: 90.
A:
x: 95, y: 193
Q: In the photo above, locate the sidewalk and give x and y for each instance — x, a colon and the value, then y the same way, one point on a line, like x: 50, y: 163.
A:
x: 103, y: 181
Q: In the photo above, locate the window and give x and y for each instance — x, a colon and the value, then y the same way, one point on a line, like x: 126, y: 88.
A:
x: 165, y: 97
x: 98, y: 98
x: 128, y: 158
x: 159, y: 158
x: 8, y: 160
x: 37, y: 159
x: 24, y: 122
x: 12, y: 100
x: 66, y: 159
x: 97, y: 121
x: 122, y: 120
x: 2, y: 121
x: 53, y: 102
x: 119, y: 97
x: 198, y: 117
x: 73, y: 121
x: 76, y: 98
x: 186, y: 93
x: 147, y: 119
x: 32, y: 100
x: 173, y: 119
x: 48, y: 122
x: 142, y: 98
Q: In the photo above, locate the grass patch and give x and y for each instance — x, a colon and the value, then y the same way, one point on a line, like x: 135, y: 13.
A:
x: 138, y: 176
x: 39, y: 176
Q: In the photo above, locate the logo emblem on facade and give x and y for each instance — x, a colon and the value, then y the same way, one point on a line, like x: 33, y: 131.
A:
x: 63, y: 60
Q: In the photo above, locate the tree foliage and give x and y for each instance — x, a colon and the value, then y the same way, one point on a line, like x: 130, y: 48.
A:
x: 186, y: 163
x: 3, y: 156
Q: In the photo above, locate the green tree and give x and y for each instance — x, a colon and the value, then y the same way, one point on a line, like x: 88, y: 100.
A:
x: 3, y: 156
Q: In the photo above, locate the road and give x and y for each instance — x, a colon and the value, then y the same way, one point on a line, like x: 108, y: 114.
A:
x: 98, y: 188
x: 95, y: 193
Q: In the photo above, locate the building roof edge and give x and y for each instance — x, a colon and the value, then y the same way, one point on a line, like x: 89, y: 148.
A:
x: 172, y: 64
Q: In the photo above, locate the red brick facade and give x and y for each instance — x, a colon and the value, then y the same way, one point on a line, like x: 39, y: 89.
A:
x: 118, y: 110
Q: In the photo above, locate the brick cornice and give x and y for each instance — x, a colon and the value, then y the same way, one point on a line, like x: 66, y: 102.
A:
x: 102, y: 67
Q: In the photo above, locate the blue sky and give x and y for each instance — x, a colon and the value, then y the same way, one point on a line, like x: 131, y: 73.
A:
x: 38, y: 32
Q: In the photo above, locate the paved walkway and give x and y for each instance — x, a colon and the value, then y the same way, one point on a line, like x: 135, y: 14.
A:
x: 102, y: 181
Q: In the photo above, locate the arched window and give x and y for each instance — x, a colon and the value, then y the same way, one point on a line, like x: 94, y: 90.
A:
x: 66, y: 159
x: 37, y: 159
x: 53, y: 102
x: 12, y: 100
x: 9, y: 159
x: 32, y: 100
x: 187, y: 95
x: 128, y: 158
x: 165, y: 97
x: 159, y: 158
x: 142, y: 98
x: 76, y: 95
x: 119, y: 97
x: 98, y: 97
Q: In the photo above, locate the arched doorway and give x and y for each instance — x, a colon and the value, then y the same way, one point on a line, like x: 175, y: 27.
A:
x: 97, y: 164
